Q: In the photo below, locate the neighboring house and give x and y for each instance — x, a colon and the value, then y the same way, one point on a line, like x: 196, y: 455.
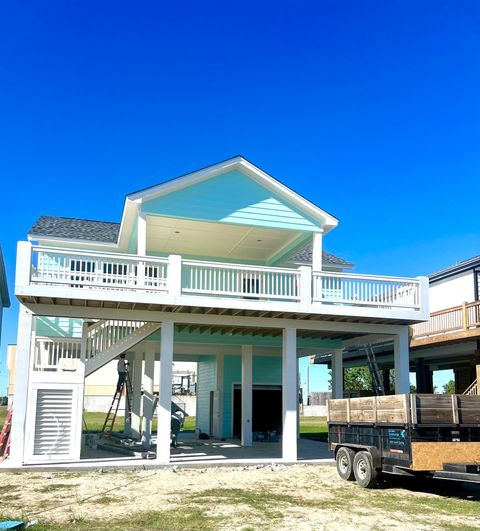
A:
x: 202, y: 268
x: 4, y: 296
x: 449, y: 340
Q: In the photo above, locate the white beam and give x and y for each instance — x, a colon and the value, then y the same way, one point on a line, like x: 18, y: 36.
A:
x: 337, y: 373
x: 317, y: 251
x: 247, y: 390
x: 136, y: 375
x: 164, y: 410
x: 401, y: 361
x: 22, y: 374
x: 289, y: 394
x: 148, y: 377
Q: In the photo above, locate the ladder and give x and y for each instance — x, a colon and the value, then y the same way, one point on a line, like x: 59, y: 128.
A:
x: 5, y: 436
x: 109, y: 423
x: 377, y: 382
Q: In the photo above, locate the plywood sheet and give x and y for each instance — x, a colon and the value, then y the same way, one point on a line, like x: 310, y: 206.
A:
x: 432, y: 455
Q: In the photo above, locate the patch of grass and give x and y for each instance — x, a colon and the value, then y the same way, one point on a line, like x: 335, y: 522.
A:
x: 190, y: 423
x: 94, y: 422
x: 52, y: 487
x: 104, y: 500
x: 314, y: 428
x: 8, y: 488
x: 3, y: 414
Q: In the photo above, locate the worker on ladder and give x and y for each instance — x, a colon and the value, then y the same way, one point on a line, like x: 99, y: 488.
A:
x: 122, y: 369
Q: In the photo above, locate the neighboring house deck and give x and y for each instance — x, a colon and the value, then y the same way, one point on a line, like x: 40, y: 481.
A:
x: 224, y: 267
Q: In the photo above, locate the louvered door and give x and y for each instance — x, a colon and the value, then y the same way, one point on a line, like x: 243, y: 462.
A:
x: 53, y: 430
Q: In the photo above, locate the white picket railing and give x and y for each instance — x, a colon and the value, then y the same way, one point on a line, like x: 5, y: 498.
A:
x: 105, y: 334
x: 233, y: 280
x: 366, y: 290
x: 52, y: 353
x: 78, y: 269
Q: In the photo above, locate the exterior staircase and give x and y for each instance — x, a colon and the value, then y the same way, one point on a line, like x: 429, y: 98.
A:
x: 107, y: 339
x: 472, y: 389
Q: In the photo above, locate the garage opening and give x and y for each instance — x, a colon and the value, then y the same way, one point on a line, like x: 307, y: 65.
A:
x: 266, y: 409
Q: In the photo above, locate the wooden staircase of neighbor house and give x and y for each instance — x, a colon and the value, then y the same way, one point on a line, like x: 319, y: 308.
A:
x: 107, y: 339
x: 472, y: 389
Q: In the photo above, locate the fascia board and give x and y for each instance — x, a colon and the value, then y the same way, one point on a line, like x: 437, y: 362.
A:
x: 43, y: 240
x: 326, y: 220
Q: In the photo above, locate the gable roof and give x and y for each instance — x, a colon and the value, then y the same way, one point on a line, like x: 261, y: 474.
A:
x: 465, y: 265
x: 304, y: 256
x: 326, y: 220
x: 75, y: 229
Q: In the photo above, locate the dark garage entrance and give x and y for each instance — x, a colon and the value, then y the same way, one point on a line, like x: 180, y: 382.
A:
x: 266, y: 409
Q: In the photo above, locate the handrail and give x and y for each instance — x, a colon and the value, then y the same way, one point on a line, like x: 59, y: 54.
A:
x: 361, y: 276
x: 228, y: 265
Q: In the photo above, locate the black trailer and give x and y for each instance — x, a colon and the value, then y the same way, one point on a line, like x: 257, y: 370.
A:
x: 411, y: 435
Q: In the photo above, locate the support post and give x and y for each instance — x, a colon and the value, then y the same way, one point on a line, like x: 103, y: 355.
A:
x: 401, y: 361
x: 148, y: 398
x: 337, y: 373
x: 289, y: 394
x: 165, y: 392
x: 141, y: 246
x: 22, y: 377
x: 305, y: 286
x: 317, y: 251
x: 174, y: 279
x: 218, y: 399
x: 136, y: 375
x: 247, y: 389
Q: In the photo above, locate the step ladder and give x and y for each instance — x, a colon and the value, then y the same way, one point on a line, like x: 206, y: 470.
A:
x: 377, y: 382
x: 5, y: 436
x: 111, y: 417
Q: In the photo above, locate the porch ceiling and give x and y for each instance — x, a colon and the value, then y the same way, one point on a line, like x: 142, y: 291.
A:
x: 204, y: 239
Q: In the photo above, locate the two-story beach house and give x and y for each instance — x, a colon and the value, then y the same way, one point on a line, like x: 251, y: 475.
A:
x: 203, y: 268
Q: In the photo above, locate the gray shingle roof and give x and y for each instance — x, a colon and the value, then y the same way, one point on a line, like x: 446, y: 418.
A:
x: 304, y: 256
x: 76, y: 229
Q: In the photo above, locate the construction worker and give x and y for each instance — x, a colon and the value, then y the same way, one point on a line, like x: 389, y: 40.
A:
x: 122, y: 371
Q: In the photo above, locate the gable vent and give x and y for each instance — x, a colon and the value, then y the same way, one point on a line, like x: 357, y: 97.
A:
x: 53, y: 422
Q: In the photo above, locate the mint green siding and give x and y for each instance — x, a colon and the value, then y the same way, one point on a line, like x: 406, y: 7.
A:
x: 58, y: 327
x: 206, y: 379
x: 232, y: 197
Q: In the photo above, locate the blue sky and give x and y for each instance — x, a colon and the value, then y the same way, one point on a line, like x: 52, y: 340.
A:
x: 370, y: 109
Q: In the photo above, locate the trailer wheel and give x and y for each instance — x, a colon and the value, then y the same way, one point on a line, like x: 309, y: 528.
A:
x: 344, y: 461
x: 365, y: 475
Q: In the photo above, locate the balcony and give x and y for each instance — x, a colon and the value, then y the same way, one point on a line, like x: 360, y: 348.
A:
x: 57, y: 273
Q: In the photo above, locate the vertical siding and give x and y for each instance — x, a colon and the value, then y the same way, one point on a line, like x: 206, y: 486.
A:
x: 265, y: 370
x: 206, y: 379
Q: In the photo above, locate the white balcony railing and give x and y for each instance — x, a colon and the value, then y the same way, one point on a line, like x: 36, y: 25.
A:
x: 54, y: 352
x: 366, y: 290
x: 177, y: 277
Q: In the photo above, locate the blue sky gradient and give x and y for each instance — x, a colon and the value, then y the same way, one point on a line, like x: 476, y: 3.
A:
x: 369, y: 109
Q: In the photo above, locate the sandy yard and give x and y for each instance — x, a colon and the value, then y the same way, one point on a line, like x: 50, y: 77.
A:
x: 272, y: 497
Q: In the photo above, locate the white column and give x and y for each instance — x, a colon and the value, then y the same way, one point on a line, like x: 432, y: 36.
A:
x: 142, y: 234
x: 174, y: 278
x: 22, y: 378
x: 148, y: 376
x: 289, y: 394
x: 317, y: 251
x: 218, y: 399
x: 401, y: 361
x: 337, y: 373
x: 165, y: 393
x: 136, y: 375
x: 299, y: 385
x: 247, y: 386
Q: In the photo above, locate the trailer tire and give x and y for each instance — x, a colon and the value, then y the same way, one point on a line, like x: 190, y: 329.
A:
x: 344, y: 461
x: 365, y: 474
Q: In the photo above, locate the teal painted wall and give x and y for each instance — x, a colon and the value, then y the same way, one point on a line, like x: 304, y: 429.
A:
x: 265, y: 370
x: 232, y: 197
x: 58, y: 327
x: 206, y: 379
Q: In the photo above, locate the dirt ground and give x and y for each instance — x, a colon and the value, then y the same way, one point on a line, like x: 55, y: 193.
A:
x: 272, y: 497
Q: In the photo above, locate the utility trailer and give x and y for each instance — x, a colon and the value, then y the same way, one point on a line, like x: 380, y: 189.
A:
x: 410, y: 435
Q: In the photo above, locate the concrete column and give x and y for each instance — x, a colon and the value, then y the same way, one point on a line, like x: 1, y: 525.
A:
x: 289, y: 394
x: 164, y: 414
x: 317, y: 251
x: 247, y: 390
x: 218, y: 399
x: 22, y: 377
x: 401, y: 361
x: 337, y: 373
x: 148, y: 377
x: 136, y: 375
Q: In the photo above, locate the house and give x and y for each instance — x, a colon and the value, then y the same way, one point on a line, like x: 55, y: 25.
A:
x: 4, y: 296
x: 449, y: 340
x: 199, y: 269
